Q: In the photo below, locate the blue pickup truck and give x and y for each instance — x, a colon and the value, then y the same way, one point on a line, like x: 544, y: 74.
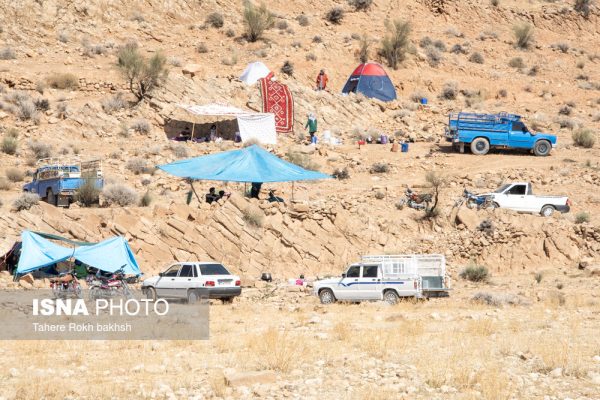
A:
x: 57, y: 182
x: 502, y: 130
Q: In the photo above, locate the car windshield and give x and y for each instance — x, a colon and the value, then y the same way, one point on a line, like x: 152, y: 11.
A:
x: 502, y: 188
x: 213, y: 269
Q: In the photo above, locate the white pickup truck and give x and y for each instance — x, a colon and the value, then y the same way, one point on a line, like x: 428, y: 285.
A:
x: 388, y: 278
x: 519, y: 196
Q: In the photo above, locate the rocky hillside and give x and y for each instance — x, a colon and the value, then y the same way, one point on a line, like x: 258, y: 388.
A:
x: 462, y: 56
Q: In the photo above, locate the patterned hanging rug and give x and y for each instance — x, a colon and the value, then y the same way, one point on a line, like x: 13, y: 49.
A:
x: 277, y: 99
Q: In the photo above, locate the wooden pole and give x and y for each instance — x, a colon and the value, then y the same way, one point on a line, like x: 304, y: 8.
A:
x: 193, y: 129
x: 194, y: 190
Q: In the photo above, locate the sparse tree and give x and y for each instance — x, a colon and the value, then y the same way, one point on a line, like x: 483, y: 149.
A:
x: 395, y: 44
x: 257, y: 20
x: 142, y: 75
x: 437, y: 183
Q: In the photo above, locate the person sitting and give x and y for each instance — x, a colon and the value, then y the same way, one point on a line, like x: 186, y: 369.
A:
x: 223, y: 194
x: 211, y: 195
x: 300, y: 281
x: 272, y: 198
x: 213, y: 133
x: 255, y: 190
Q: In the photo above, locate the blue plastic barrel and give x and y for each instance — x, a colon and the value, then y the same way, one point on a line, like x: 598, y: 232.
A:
x: 404, y: 147
x: 423, y: 100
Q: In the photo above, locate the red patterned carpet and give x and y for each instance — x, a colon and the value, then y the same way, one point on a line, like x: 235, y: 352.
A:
x: 277, y: 99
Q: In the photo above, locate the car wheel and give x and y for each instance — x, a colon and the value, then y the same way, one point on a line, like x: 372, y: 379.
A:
x: 151, y: 294
x: 390, y: 297
x: 192, y: 297
x: 480, y: 146
x: 51, y: 197
x: 547, y: 211
x: 542, y: 148
x: 471, y: 204
x: 326, y: 296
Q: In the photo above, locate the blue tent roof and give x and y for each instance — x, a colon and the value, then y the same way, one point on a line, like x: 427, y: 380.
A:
x: 37, y: 252
x: 108, y: 255
x: 250, y: 164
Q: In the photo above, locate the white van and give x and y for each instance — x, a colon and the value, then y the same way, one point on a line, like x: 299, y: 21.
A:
x: 388, y: 278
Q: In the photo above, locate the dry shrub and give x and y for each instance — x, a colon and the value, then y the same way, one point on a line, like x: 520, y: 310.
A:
x: 516, y: 62
x: 62, y: 80
x: 114, y: 103
x: 40, y: 150
x: 582, y: 217
x: 341, y: 174
x: 583, y: 7
x: 7, y: 54
x: 335, y: 15
x: 288, y: 68
x: 476, y: 58
x: 14, y: 174
x: 253, y: 216
x: 5, y: 184
x: 146, y: 199
x: 25, y: 201
x: 303, y: 20
x: 394, y: 45
x: 584, y: 138
x: 449, y: 91
x: 257, y: 20
x: 380, y: 168
x: 215, y: 20
x: 119, y: 195
x: 139, y: 166
x: 475, y: 273
x: 523, y: 33
x: 361, y: 5
x: 434, y: 56
x: 9, y: 145
x: 202, y: 48
x: 88, y: 194
x: 141, y: 126
x: 179, y: 150
x: 275, y: 350
x: 302, y: 160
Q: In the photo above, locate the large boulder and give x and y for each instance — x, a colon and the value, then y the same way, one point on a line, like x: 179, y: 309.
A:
x: 233, y: 378
x: 468, y: 218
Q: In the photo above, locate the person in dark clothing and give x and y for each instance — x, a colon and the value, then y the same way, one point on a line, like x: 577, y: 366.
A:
x: 272, y: 198
x: 211, y: 195
x: 255, y: 189
x: 223, y: 194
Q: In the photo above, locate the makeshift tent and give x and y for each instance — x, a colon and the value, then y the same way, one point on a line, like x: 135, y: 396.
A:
x: 253, y: 72
x: 252, y: 125
x: 250, y: 164
x: 277, y: 99
x: 37, y: 252
x: 109, y: 255
x: 371, y: 80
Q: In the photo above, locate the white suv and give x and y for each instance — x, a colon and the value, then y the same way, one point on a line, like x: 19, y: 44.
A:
x: 192, y: 281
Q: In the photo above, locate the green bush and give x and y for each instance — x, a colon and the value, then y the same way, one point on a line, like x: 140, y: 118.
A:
x: 582, y: 217
x: 142, y: 75
x: 584, y: 138
x: 63, y: 81
x: 523, y: 35
x: 257, y: 20
x: 475, y: 273
x: 394, y: 45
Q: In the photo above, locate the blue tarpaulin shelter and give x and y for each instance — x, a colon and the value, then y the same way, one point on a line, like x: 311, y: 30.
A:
x: 250, y: 164
x: 37, y: 252
x: 108, y: 255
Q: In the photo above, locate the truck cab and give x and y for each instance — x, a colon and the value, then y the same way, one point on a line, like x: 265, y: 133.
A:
x: 484, y: 131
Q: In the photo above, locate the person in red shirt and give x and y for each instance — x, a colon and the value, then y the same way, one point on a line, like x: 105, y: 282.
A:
x: 322, y: 80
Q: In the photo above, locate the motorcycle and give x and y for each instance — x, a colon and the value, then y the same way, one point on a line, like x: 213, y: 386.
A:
x: 66, y: 285
x: 115, y: 285
x: 415, y: 200
x: 473, y: 200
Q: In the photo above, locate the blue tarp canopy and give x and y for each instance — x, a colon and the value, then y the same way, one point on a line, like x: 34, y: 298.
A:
x: 108, y: 255
x: 37, y: 252
x: 250, y: 164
